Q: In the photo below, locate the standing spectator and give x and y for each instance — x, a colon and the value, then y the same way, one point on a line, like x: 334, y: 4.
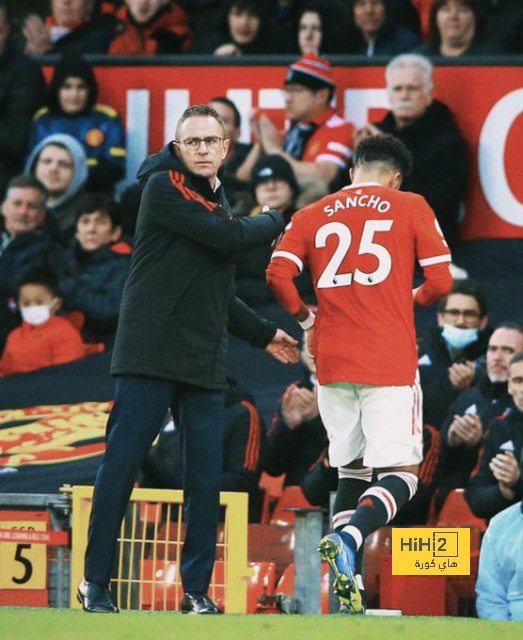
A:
x: 69, y: 26
x: 474, y: 408
x: 426, y: 127
x: 499, y: 590
x: 44, y: 338
x: 448, y: 352
x: 23, y: 242
x: 59, y: 162
x: 245, y: 28
x: 94, y: 268
x: 171, y: 347
x: 377, y: 30
x: 72, y: 108
x: 237, y: 150
x: 317, y: 143
x: 498, y: 482
x: 363, y: 340
x: 151, y: 27
x: 457, y: 28
x: 243, y: 451
x: 22, y: 92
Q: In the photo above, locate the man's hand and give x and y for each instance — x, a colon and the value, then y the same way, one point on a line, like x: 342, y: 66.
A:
x: 298, y: 405
x: 461, y: 374
x: 283, y: 347
x: 505, y: 469
x: 466, y: 429
x: 37, y: 39
x: 270, y: 138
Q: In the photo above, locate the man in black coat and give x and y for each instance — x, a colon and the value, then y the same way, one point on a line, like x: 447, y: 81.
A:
x: 426, y: 128
x: 171, y: 346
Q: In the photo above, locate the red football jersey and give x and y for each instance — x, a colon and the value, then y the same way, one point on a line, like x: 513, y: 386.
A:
x: 360, y: 245
x: 331, y: 141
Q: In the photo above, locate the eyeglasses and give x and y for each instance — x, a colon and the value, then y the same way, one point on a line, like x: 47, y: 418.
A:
x: 468, y: 314
x: 211, y: 142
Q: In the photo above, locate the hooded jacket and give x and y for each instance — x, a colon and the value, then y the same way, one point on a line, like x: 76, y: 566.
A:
x: 439, y: 156
x: 62, y: 211
x: 98, y: 127
x: 179, y: 299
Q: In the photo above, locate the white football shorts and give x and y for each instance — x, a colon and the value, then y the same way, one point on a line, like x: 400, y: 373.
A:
x: 382, y: 425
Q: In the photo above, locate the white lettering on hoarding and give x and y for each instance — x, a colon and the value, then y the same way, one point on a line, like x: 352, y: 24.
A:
x: 491, y: 158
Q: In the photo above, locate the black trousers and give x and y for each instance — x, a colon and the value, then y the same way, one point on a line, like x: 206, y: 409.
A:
x: 138, y: 413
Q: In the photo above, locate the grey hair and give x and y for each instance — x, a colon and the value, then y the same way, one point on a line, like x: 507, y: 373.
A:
x: 411, y: 60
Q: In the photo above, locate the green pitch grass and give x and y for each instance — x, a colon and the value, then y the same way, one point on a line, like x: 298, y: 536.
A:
x: 22, y: 623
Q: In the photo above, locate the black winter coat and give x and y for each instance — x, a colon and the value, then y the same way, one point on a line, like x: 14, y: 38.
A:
x: 179, y: 299
x: 439, y: 170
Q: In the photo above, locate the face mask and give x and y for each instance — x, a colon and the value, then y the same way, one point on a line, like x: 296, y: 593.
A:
x: 37, y: 314
x: 458, y: 338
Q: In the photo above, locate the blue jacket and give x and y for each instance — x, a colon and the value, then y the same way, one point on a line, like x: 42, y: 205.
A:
x: 101, y: 134
x: 499, y: 587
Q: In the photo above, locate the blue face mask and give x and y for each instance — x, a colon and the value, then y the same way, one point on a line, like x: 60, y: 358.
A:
x: 458, y: 338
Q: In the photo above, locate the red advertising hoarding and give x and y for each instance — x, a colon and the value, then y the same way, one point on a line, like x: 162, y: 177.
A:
x: 487, y: 102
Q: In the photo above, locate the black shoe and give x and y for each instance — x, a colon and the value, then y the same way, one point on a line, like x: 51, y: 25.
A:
x: 196, y: 603
x: 94, y: 598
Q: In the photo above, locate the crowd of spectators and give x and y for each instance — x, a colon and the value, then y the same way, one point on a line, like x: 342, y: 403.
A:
x: 66, y: 232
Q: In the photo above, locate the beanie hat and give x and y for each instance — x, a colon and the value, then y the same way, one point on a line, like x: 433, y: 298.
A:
x: 274, y: 166
x: 311, y: 72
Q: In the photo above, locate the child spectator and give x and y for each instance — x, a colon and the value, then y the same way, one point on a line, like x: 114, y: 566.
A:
x: 44, y: 339
x: 94, y: 268
x: 151, y: 27
x: 72, y: 109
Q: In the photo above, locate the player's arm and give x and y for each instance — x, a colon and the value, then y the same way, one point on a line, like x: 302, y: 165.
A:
x: 433, y: 255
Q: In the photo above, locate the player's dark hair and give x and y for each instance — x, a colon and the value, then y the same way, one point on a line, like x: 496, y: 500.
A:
x: 229, y: 103
x: 38, y: 275
x: 466, y: 288
x: 199, y: 110
x: 517, y: 357
x: 386, y: 149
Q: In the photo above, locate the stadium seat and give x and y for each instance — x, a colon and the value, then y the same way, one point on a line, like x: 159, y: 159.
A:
x: 377, y: 544
x: 271, y: 543
x: 292, y: 497
x: 262, y: 583
x: 286, y: 584
x: 272, y: 487
x: 456, y: 511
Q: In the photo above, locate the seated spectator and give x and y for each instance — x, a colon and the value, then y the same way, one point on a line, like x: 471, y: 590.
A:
x: 72, y: 109
x: 69, y: 26
x: 44, y: 338
x: 22, y: 92
x: 321, y: 29
x: 23, y: 242
x: 243, y: 451
x: 296, y: 436
x: 498, y: 482
x: 426, y: 127
x: 499, y: 585
x: 237, y: 150
x: 151, y: 27
x: 244, y: 29
x: 457, y: 28
x: 274, y: 185
x: 317, y: 143
x: 474, y: 408
x: 59, y: 162
x: 448, y: 352
x: 376, y: 31
x: 94, y: 268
